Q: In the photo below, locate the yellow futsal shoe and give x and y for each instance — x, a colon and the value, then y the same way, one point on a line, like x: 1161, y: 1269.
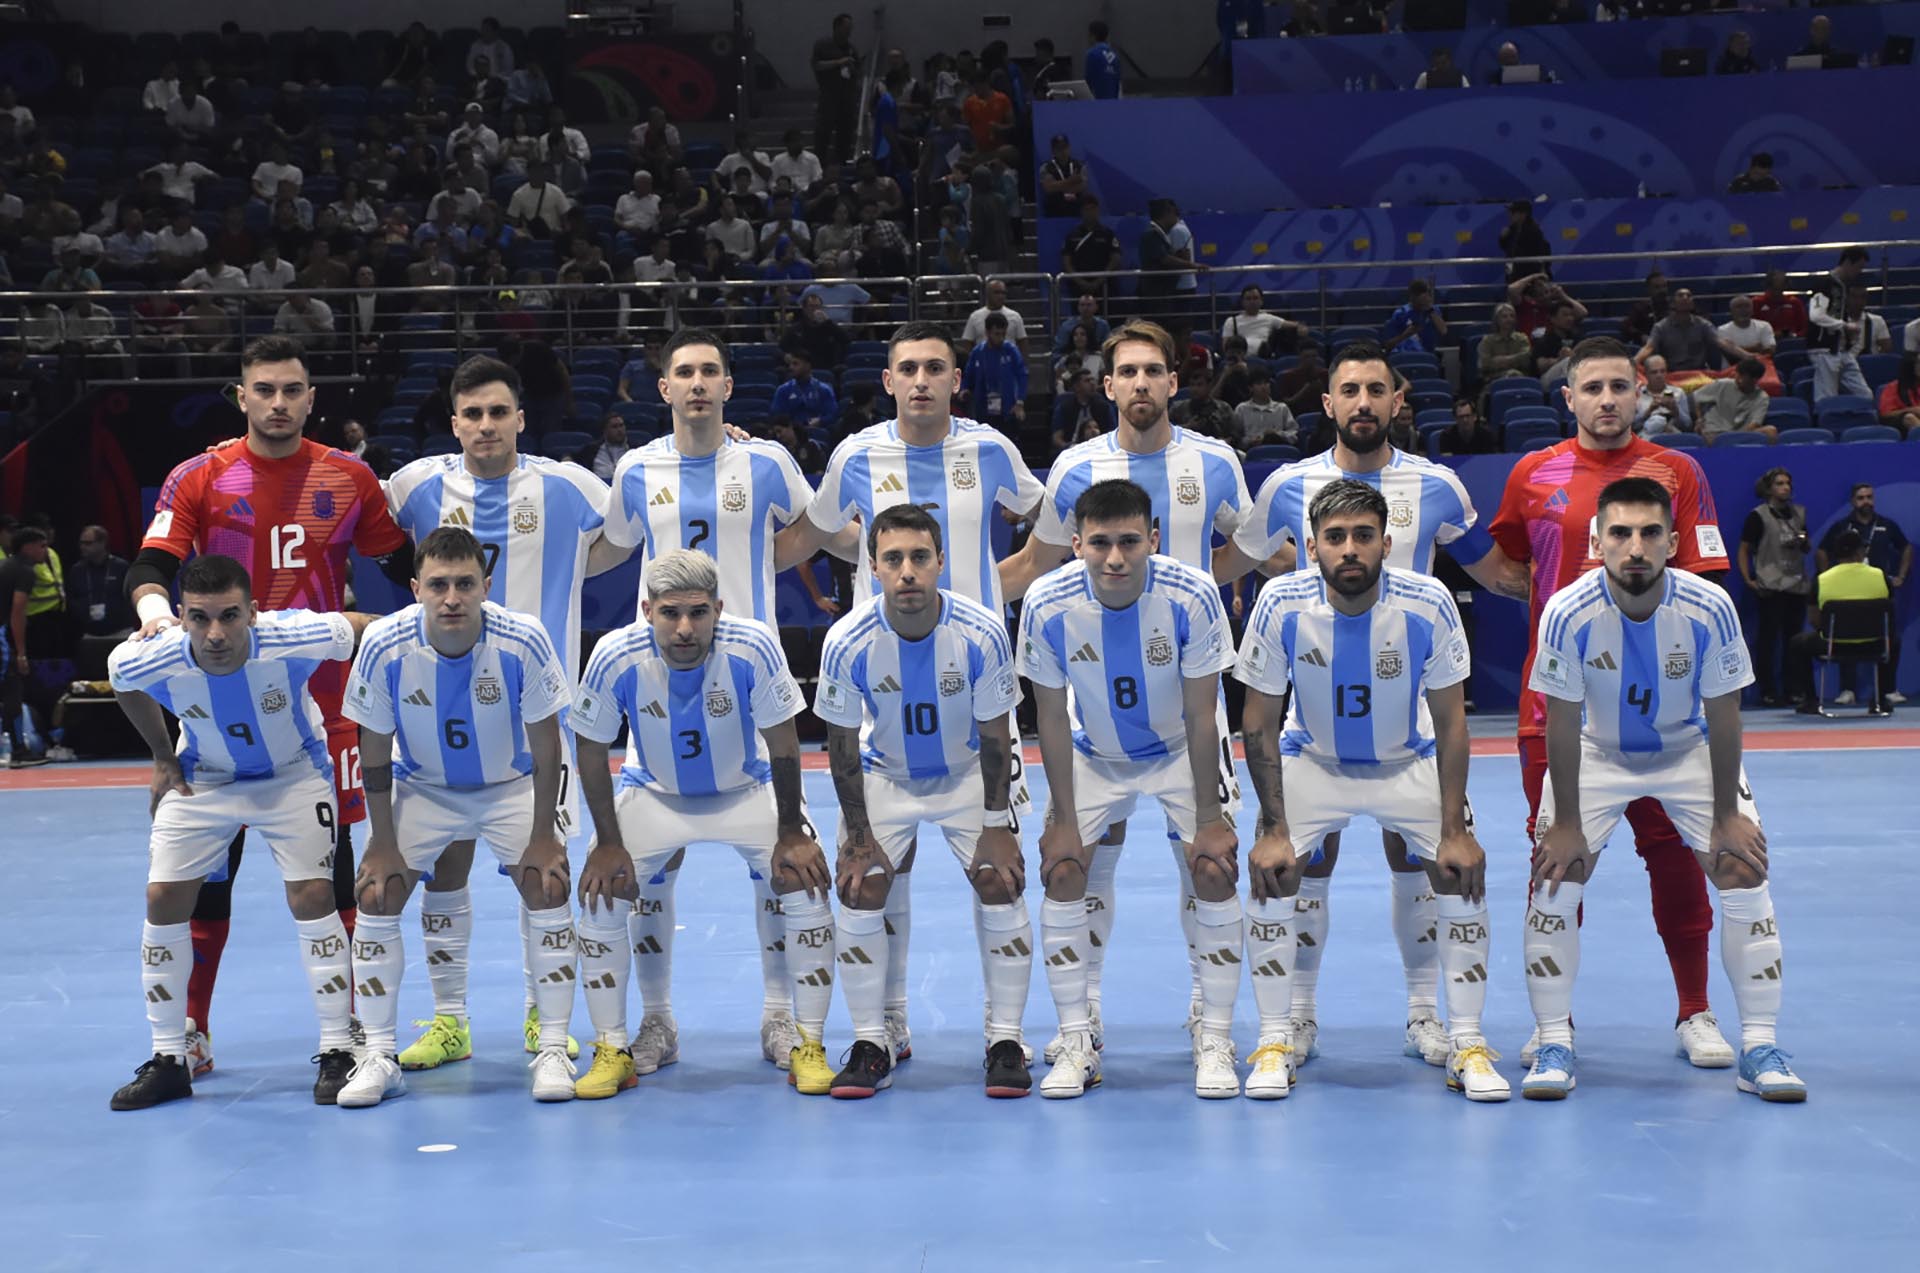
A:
x: 807, y: 1070
x: 533, y: 1037
x: 611, y: 1074
x: 1470, y: 1071
x: 447, y: 1039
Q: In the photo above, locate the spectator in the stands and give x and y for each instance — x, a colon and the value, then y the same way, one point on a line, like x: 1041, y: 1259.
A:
x: 1737, y: 58
x: 733, y: 232
x: 1834, y: 334
x: 425, y: 113
x: 1468, y: 434
x: 654, y: 144
x: 161, y: 91
x: 1302, y: 385
x: 539, y: 207
x: 412, y: 56
x: 1758, y: 178
x: 1086, y: 313
x: 1505, y: 351
x: 528, y: 89
x: 1661, y: 407
x: 800, y: 166
x: 994, y: 384
x: 1441, y: 72
x: 1820, y: 44
x: 1262, y: 418
x: 271, y: 273
x: 990, y: 218
x: 1101, y: 66
x: 562, y: 140
x: 356, y: 212
x: 1533, y: 299
x: 180, y: 246
x: 519, y: 145
x: 1082, y: 355
x: 180, y: 174
x: 781, y: 223
x: 1418, y: 324
x: 1734, y: 405
x: 814, y: 332
x: 684, y: 209
x: 307, y: 318
x: 1267, y: 334
x: 838, y: 300
x: 1508, y: 57
x: 743, y: 155
x: 190, y: 116
x: 96, y: 588
x: 445, y: 229
x: 871, y: 183
x: 879, y: 245
x: 1872, y: 335
x: 836, y: 79
x: 1743, y: 334
x: 975, y: 329
x: 833, y: 243
x: 1900, y: 397
x: 216, y: 275
x: 1091, y: 248
x: 491, y: 48
x: 273, y: 170
x: 132, y: 253
x: 1063, y: 180
x: 806, y: 453
x: 432, y: 267
x: 1780, y: 309
x: 455, y: 195
x: 474, y: 131
x: 1169, y: 281
x: 1686, y: 340
x: 1201, y: 411
x: 1551, y: 347
x: 803, y: 398
x: 323, y: 271
x: 603, y: 454
x: 1524, y: 243
x: 1081, y: 412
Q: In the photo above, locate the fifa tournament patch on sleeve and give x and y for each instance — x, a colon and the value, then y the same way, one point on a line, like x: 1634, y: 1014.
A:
x: 553, y: 683
x: 162, y: 524
x: 1552, y: 670
x: 784, y: 692
x: 1005, y: 683
x: 1457, y: 651
x: 1706, y: 539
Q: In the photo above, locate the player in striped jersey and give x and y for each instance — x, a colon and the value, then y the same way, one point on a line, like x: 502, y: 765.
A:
x: 252, y: 751
x: 1377, y: 661
x: 1427, y: 508
x: 460, y: 699
x: 700, y: 488
x: 1141, y: 640
x: 712, y: 756
x: 1642, y: 669
x: 916, y: 687
x: 958, y: 470
x: 1197, y: 490
x: 541, y: 525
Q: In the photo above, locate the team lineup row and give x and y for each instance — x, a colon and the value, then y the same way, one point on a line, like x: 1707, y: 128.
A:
x: 465, y: 718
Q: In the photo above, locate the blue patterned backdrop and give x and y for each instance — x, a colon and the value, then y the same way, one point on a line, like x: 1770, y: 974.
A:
x: 1686, y: 137
x: 1581, y: 52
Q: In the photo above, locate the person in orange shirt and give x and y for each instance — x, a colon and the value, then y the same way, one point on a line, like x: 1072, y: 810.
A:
x: 989, y: 113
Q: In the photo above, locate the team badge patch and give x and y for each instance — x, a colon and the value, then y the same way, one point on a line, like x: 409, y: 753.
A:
x: 486, y: 691
x: 1187, y: 490
x: 951, y: 683
x: 1160, y: 649
x: 526, y: 519
x: 1388, y: 664
x: 733, y: 498
x: 274, y: 700
x: 1400, y: 513
x: 1679, y: 665
x: 323, y: 504
x: 719, y: 703
x: 964, y: 477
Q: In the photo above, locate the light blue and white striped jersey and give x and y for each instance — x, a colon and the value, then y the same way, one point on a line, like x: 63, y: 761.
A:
x: 1642, y: 685
x: 252, y: 722
x: 535, y: 524
x: 728, y: 505
x: 918, y: 704
x: 457, y: 722
x: 1125, y: 667
x: 691, y: 731
x: 958, y: 480
x: 1427, y: 506
x: 1360, y: 681
x: 1195, y: 482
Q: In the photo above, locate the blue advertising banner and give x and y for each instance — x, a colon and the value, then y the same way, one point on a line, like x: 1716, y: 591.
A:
x: 1685, y: 137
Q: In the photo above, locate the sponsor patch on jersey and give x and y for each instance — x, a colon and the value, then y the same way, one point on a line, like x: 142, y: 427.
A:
x: 1187, y: 490
x: 487, y: 691
x: 1552, y: 670
x: 1679, y: 665
x: 964, y: 476
x: 1388, y: 664
x: 1256, y: 657
x: 526, y: 519
x: 274, y: 700
x: 362, y: 692
x: 584, y: 704
x: 1400, y: 513
x: 162, y: 524
x: 833, y: 694
x: 1160, y: 649
x: 951, y: 683
x: 1706, y: 538
x: 719, y: 703
x: 733, y: 498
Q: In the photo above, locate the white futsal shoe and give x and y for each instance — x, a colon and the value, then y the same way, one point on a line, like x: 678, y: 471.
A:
x: 553, y: 1074
x: 1214, y: 1075
x: 1427, y: 1039
x: 376, y: 1077
x: 1698, y: 1038
x: 1077, y: 1069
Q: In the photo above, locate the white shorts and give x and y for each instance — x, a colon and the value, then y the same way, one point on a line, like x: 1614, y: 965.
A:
x: 956, y: 804
x: 654, y: 825
x: 1229, y: 776
x: 427, y: 818
x: 293, y: 812
x: 1322, y: 798
x: 1104, y: 792
x: 1610, y: 781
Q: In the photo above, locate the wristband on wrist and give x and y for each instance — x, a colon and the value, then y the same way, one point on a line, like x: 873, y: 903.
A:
x: 153, y: 606
x: 998, y: 818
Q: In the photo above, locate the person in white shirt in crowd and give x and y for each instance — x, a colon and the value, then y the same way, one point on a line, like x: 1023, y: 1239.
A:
x: 191, y: 115
x: 273, y: 170
x: 473, y: 131
x: 796, y: 163
x: 638, y: 211
x: 1255, y: 325
x: 539, y: 206
x: 1736, y: 405
x: 654, y: 132
x: 306, y: 317
x: 179, y: 174
x: 733, y: 232
x: 1262, y: 419
x: 455, y: 192
x: 976, y: 329
x: 743, y: 155
x: 163, y: 90
x: 355, y: 211
x: 215, y: 275
x: 576, y: 141
x: 1743, y: 334
x: 271, y: 273
x: 180, y: 245
x: 1662, y: 408
x: 492, y: 48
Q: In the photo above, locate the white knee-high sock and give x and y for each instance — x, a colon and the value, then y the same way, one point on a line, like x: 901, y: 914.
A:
x: 166, y: 961
x: 1750, y: 952
x: 1553, y: 960
x: 650, y: 929
x: 1414, y: 921
x: 329, y: 965
x: 379, y: 961
x: 1006, y: 954
x: 446, y: 925
x: 861, y: 941
x: 1063, y: 941
x: 899, y: 913
x: 550, y: 953
x: 1271, y: 951
x: 1220, y: 933
x: 1189, y: 923
x: 1310, y: 933
x: 1100, y: 901
x: 526, y: 967
x: 1462, y: 929
x: 809, y: 958
x: 776, y: 988
x: 602, y: 932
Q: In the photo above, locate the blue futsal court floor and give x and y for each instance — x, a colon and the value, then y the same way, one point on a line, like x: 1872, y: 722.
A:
x: 714, y: 1163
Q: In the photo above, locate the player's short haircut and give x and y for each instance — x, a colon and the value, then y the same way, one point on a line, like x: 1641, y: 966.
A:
x: 918, y: 329
x: 1337, y: 499
x: 682, y: 570
x: 1635, y: 490
x: 210, y: 574
x: 1114, y: 500
x: 689, y: 336
x: 1592, y: 349
x: 272, y: 349
x: 1764, y: 487
x: 1139, y: 331
x: 449, y: 543
x: 907, y: 517
x: 480, y: 371
x: 1357, y: 351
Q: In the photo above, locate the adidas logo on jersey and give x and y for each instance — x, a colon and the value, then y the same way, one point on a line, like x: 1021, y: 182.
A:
x: 458, y: 517
x: 1558, y: 499
x: 1605, y: 662
x: 419, y: 699
x: 887, y: 685
x: 663, y: 498
x: 1085, y: 654
x: 240, y: 508
x: 892, y: 486
x: 654, y: 710
x: 196, y: 712
x: 1314, y: 657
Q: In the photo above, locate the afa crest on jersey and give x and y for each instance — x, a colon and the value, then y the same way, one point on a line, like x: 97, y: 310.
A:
x: 964, y: 476
x: 274, y: 700
x: 719, y: 703
x: 1679, y: 665
x: 1187, y: 490
x: 486, y: 691
x: 526, y: 519
x: 951, y: 683
x: 323, y: 504
x: 1400, y: 513
x: 1388, y: 664
x: 1160, y: 649
x: 733, y: 498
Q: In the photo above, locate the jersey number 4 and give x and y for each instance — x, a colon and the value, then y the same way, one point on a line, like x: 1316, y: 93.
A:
x: 1640, y: 696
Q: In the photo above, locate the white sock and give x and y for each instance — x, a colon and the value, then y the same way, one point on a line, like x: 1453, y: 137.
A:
x: 1006, y: 954
x: 1221, y: 935
x: 446, y: 923
x: 1463, y: 950
x: 329, y: 965
x: 379, y: 960
x: 166, y: 961
x: 1750, y: 952
x: 810, y: 951
x: 1553, y: 960
x: 526, y: 968
x: 1271, y: 951
x: 650, y: 930
x: 1063, y: 940
x: 1189, y: 923
x: 899, y: 913
x: 776, y: 989
x: 603, y: 965
x: 861, y: 939
x: 550, y: 953
x: 1100, y: 901
x: 1310, y: 932
x: 1414, y: 927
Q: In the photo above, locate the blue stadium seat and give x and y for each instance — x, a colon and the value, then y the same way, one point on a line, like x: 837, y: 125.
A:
x: 1429, y: 384
x: 394, y: 418
x: 1525, y: 436
x: 1871, y: 433
x: 440, y: 444
x: 1276, y: 453
x: 1803, y: 437
x: 638, y: 414
x: 564, y: 442
x: 1743, y: 439
x: 1310, y: 425
x: 1684, y: 441
x: 1842, y: 403
x: 1879, y: 369
x: 1786, y: 412
x: 1539, y: 444
x: 1432, y: 417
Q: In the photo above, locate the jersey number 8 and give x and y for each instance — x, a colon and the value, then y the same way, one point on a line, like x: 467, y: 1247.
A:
x: 1126, y: 692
